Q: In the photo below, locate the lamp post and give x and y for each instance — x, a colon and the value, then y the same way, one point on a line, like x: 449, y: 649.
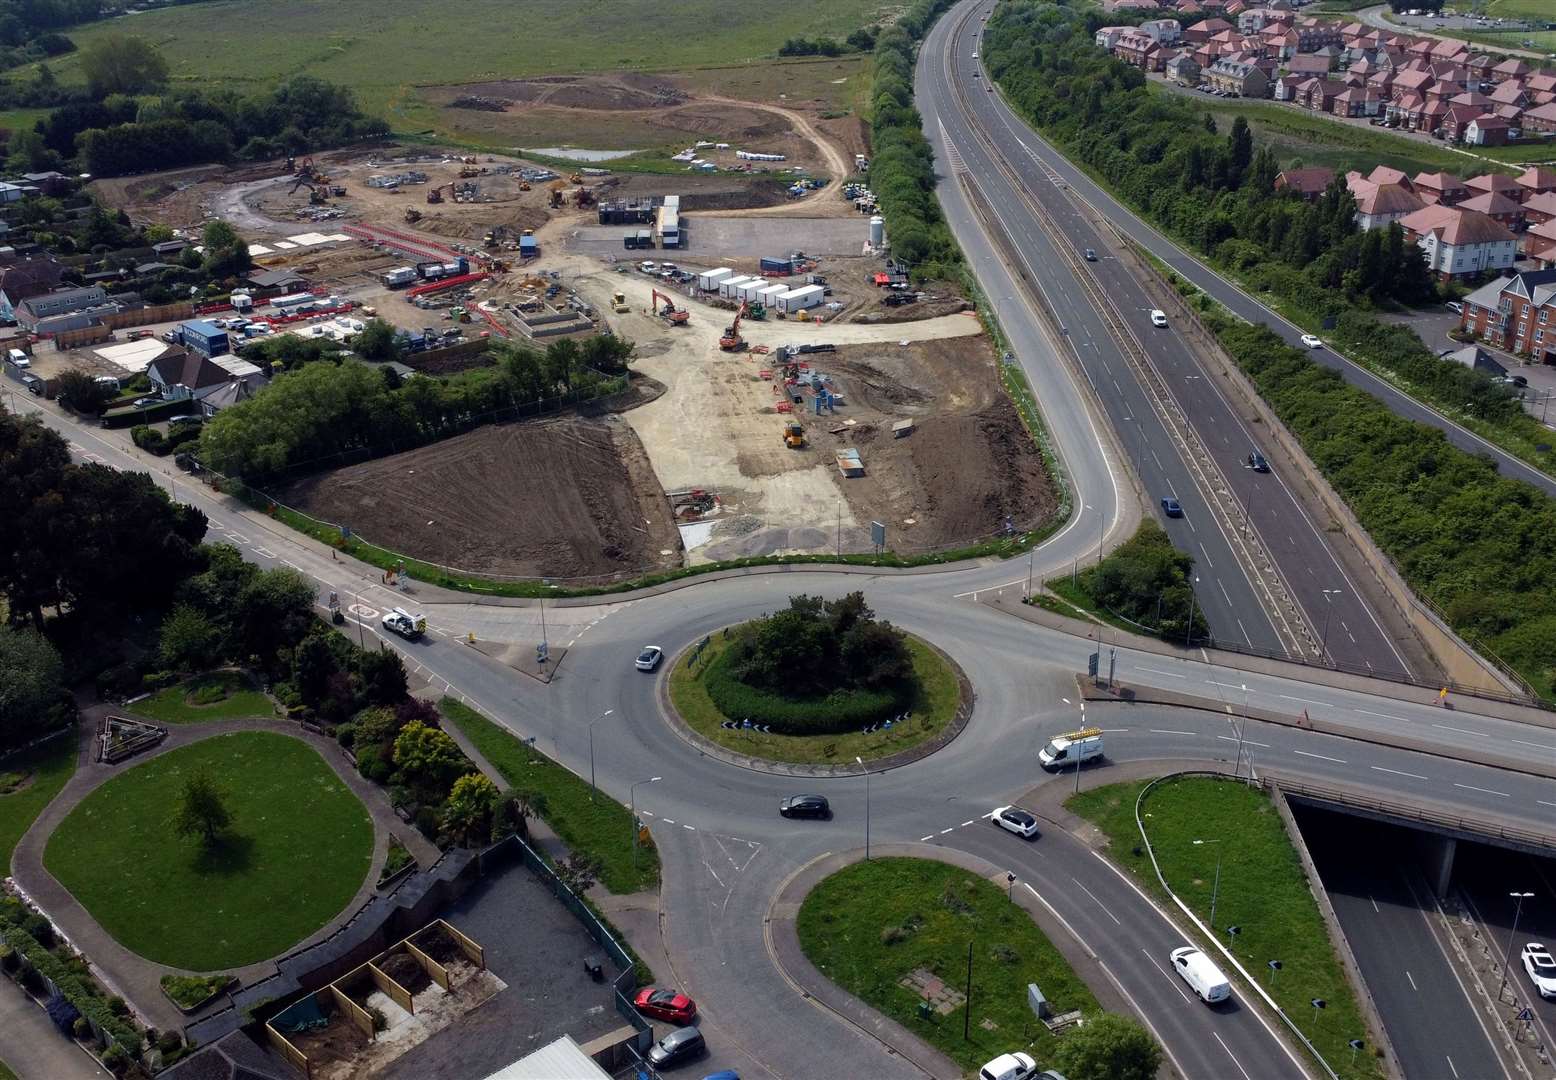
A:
x: 1328, y: 610
x: 633, y: 794
x: 861, y: 764
x: 1242, y: 729
x: 596, y: 720
x: 1215, y: 890
x: 1010, y: 886
x: 1188, y: 631
x: 545, y: 645
x: 1078, y: 752
x: 1519, y: 898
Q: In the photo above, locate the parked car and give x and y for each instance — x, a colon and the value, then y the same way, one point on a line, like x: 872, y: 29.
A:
x: 649, y: 658
x: 146, y: 402
x: 1172, y: 508
x: 1312, y: 341
x: 1158, y: 317
x: 1455, y: 307
x: 1017, y: 1066
x: 1203, y: 977
x: 671, y: 1006
x: 681, y: 1045
x: 795, y: 806
x: 1518, y: 380
x: 1541, y: 967
x: 1016, y: 820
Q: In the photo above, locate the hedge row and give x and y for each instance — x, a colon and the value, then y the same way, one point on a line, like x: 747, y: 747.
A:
x: 77, y: 989
x: 841, y: 711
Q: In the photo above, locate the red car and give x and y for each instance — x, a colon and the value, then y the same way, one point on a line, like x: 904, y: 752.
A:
x: 666, y: 1005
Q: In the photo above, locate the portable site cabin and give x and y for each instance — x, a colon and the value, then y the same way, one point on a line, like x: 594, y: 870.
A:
x: 807, y: 296
x: 709, y: 280
x: 730, y: 287
x: 768, y: 297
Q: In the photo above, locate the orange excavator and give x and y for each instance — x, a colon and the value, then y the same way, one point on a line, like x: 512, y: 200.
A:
x: 669, y: 313
x: 732, y: 341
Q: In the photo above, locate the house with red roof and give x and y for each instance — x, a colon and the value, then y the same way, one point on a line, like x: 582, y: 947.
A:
x: 1459, y: 242
x: 1497, y: 207
x: 1488, y: 129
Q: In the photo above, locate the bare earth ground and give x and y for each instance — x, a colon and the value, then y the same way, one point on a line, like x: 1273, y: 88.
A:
x: 565, y: 497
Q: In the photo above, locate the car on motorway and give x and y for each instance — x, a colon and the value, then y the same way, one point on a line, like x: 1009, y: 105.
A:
x: 815, y: 806
x: 649, y: 658
x: 1312, y: 341
x: 1091, y: 256
x: 1203, y: 977
x: 681, y: 1045
x: 1171, y: 507
x: 1257, y: 462
x: 1016, y: 820
x: 1016, y: 1066
x: 661, y: 1003
x: 1158, y: 317
x: 1541, y: 967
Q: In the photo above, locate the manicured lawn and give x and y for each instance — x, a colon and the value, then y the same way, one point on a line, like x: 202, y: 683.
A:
x: 5, y: 1072
x: 933, y: 707
x: 1263, y: 890
x: 930, y: 912
x: 602, y: 828
x: 217, y: 695
x: 43, y: 772
x: 299, y: 849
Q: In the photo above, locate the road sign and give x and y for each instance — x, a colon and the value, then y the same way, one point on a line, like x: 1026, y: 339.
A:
x: 542, y: 653
x: 878, y: 534
x: 1091, y: 665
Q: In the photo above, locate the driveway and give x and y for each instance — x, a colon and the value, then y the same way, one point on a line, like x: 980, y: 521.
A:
x: 32, y: 1047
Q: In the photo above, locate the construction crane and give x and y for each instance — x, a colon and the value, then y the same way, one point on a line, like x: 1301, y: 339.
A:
x: 732, y: 341
x: 670, y: 313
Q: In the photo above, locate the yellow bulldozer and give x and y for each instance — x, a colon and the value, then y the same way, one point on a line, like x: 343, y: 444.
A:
x: 794, y: 435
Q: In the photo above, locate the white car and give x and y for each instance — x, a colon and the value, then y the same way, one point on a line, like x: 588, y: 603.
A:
x: 1016, y: 820
x: 649, y: 658
x: 1541, y: 967
x: 1158, y: 317
x: 1312, y: 341
x: 1017, y: 1066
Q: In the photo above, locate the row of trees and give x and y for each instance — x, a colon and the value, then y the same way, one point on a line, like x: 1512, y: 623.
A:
x: 902, y: 172
x: 1165, y: 157
x: 861, y: 40
x: 337, y: 406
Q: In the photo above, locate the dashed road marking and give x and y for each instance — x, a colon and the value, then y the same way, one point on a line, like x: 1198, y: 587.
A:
x: 1169, y: 731
x: 1386, y: 716
x: 1099, y: 903
x: 1396, y: 772
x: 944, y: 831
x: 1483, y: 790
x: 1321, y: 757
x: 1461, y: 731
x: 1245, y: 742
x: 925, y: 839
x: 264, y: 553
x: 691, y: 828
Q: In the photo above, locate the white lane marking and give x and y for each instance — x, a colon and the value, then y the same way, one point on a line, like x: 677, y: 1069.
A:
x: 1537, y: 746
x: 923, y: 839
x: 1461, y: 731
x: 1099, y: 903
x: 1542, y: 802
x: 1450, y: 1066
x: 668, y: 821
x: 294, y: 566
x: 1483, y: 790
x: 944, y: 831
x: 1323, y: 757
x: 1373, y: 901
x: 988, y: 588
x: 964, y: 824
x: 237, y: 538
x: 1306, y: 701
x: 692, y: 828
x: 1166, y: 974
x: 1245, y: 742
x: 1412, y: 980
x: 1386, y: 716
x: 1169, y: 731
x: 1228, y: 685
x: 1169, y: 674
x: 1396, y: 772
x: 264, y: 553
x: 1232, y: 1056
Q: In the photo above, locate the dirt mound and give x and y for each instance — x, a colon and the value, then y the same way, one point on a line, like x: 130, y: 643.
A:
x: 405, y: 970
x: 565, y: 498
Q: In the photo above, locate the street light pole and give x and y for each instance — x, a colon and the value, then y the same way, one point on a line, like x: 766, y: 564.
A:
x: 1507, y: 957
x: 1188, y: 631
x: 1242, y: 729
x: 633, y: 794
x: 1215, y: 890
x: 596, y: 720
x: 1078, y: 752
x: 1328, y: 610
x: 860, y: 761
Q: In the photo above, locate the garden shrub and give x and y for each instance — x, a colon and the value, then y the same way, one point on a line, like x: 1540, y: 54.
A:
x: 78, y: 988
x: 842, y: 710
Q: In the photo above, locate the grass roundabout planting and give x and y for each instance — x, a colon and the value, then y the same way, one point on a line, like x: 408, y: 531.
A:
x: 299, y: 847
x: 702, y: 695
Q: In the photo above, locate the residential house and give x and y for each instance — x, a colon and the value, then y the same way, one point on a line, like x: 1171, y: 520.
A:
x: 1496, y: 206
x: 1183, y: 69
x: 1537, y: 180
x: 1241, y: 77
x: 1378, y: 205
x: 1308, y: 64
x: 1480, y: 67
x: 1541, y: 82
x: 1315, y: 34
x: 1205, y: 29
x: 1382, y: 81
x: 34, y: 309
x: 1439, y: 187
x: 179, y: 374
x: 1307, y: 183
x: 286, y: 281
x: 1540, y: 243
x: 1510, y: 92
x: 1285, y: 88
x: 1541, y: 118
x: 1456, y: 120
x: 1412, y: 81
x: 167, y: 248
x: 1517, y: 313
x: 1540, y: 208
x: 1164, y: 31
x: 1108, y: 36
x: 230, y: 393
x: 23, y: 279
x: 1511, y: 68
x: 1279, y: 42
x: 1488, y: 130
x: 1385, y: 174
x: 1458, y: 242
x: 1138, y: 50
x: 1319, y: 94
x: 1497, y: 182
x: 1452, y: 50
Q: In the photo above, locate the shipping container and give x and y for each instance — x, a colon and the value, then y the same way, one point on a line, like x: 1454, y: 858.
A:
x: 777, y: 266
x: 400, y: 275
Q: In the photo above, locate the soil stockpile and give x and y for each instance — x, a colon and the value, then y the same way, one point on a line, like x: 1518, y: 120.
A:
x: 563, y: 498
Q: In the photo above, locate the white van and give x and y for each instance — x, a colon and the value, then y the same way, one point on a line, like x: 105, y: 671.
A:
x: 1203, y: 977
x: 1062, y: 751
x: 18, y: 358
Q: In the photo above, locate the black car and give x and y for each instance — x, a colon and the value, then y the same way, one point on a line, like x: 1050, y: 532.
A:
x: 815, y: 806
x: 680, y: 1045
x: 1257, y: 463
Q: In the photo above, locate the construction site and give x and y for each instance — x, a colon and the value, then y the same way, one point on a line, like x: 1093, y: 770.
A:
x: 793, y: 391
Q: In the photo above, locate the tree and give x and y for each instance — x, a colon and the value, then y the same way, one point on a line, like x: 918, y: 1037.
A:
x: 428, y: 759
x: 202, y: 810
x: 377, y: 341
x: 514, y: 811
x: 1107, y: 1047
x: 273, y: 611
x: 33, y: 461
x: 82, y: 392
x: 579, y: 872
x: 383, y: 676
x: 467, y: 814
x: 226, y: 254
x: 33, y: 698
x: 122, y: 65
x: 189, y: 640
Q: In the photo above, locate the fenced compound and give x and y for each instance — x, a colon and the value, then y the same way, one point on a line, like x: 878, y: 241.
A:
x: 120, y: 738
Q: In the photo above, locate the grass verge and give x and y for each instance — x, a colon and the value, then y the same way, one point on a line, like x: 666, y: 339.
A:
x: 298, y: 850
x: 216, y: 695
x: 39, y: 774
x: 1262, y: 889
x: 874, y: 923
x: 600, y: 827
x: 934, y: 704
x: 190, y: 991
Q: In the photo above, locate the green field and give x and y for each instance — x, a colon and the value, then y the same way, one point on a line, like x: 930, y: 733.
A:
x: 601, y: 827
x: 872, y: 923
x: 299, y: 849
x: 386, y: 51
x: 1263, y: 890
x: 40, y: 774
x: 933, y: 707
x: 196, y: 700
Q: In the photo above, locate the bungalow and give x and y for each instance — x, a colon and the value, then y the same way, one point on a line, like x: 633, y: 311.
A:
x: 1439, y: 187
x: 1239, y: 77
x: 1541, y: 118
x: 1309, y: 184
x: 1488, y: 130
x: 1496, y: 206
x: 179, y: 374
x: 1183, y: 69
x: 32, y: 311
x: 1459, y: 242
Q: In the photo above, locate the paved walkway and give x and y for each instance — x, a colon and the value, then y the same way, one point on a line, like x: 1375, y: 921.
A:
x: 31, y: 1045
x: 126, y: 973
